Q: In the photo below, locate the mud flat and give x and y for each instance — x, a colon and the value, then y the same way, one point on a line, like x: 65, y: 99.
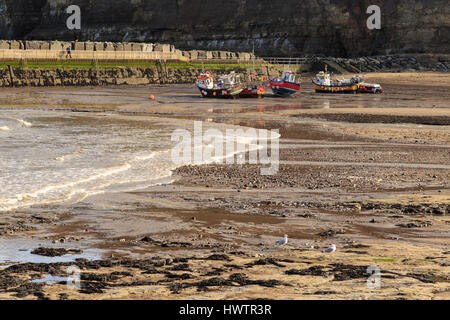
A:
x: 369, y: 173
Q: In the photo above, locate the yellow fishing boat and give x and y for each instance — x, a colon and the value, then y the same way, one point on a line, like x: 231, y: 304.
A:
x: 324, y: 84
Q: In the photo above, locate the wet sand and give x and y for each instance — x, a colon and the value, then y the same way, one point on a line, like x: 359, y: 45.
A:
x: 369, y: 173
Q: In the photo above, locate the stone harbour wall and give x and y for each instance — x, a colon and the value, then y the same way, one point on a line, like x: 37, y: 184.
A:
x: 23, y: 77
x: 51, y: 50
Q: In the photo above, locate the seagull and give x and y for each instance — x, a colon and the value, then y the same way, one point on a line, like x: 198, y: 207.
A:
x: 332, y: 248
x: 284, y: 241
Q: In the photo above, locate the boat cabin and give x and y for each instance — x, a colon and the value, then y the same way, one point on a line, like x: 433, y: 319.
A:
x: 288, y: 76
x: 205, y: 81
x: 229, y: 80
x: 323, y: 78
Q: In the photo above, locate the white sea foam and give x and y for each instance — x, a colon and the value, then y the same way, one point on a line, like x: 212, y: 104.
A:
x: 20, y: 121
x: 69, y: 156
x: 23, y: 123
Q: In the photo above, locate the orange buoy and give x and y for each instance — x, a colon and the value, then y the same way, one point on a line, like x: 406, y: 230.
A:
x: 152, y: 97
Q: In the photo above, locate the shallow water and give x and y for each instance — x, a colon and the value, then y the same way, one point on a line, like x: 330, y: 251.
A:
x: 51, y: 280
x: 49, y: 156
x: 19, y: 250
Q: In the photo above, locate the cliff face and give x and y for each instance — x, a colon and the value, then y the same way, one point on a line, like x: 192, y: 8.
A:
x: 290, y: 27
x: 19, y: 17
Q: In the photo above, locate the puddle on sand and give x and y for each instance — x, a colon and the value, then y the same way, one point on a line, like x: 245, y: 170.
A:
x: 51, y: 280
x: 14, y: 251
x: 268, y: 108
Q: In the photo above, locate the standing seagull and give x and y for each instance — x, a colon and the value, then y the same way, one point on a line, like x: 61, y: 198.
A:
x: 284, y: 241
x: 332, y: 248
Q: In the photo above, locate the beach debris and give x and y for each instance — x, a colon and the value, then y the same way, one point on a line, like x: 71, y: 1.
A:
x: 330, y: 249
x: 416, y: 224
x: 152, y: 97
x: 218, y: 257
x: 331, y: 233
x: 267, y: 261
x: 283, y: 241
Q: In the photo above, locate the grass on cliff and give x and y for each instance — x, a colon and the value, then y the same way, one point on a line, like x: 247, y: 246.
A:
x: 112, y: 65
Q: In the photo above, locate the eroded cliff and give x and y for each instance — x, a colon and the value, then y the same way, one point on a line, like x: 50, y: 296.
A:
x: 291, y: 27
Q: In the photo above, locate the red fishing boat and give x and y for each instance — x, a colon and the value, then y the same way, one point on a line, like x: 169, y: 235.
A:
x: 255, y: 87
x: 254, y: 92
x: 373, y: 88
x: 286, y: 86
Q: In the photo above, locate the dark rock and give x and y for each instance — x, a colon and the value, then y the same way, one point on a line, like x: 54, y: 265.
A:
x: 55, y: 252
x: 223, y: 257
x: 312, y: 271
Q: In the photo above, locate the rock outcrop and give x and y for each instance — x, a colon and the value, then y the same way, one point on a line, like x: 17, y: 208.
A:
x: 291, y: 27
x: 390, y: 63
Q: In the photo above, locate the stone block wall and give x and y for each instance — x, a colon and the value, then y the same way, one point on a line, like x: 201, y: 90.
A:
x: 153, y: 51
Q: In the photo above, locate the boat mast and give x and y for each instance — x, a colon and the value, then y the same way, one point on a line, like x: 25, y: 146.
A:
x: 253, y: 58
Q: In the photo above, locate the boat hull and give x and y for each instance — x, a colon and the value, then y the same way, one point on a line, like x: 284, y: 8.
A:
x: 253, y: 92
x: 367, y: 88
x: 284, y: 89
x: 225, y: 93
x: 336, y: 89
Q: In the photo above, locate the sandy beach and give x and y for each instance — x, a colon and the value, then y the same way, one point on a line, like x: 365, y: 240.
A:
x: 368, y: 173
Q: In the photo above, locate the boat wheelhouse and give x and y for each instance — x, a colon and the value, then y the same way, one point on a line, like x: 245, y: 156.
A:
x: 205, y: 81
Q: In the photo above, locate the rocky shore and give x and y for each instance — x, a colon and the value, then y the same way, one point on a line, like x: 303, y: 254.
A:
x: 387, y: 63
x: 222, y: 276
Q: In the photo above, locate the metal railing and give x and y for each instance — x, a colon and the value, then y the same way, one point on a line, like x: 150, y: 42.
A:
x: 284, y: 60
